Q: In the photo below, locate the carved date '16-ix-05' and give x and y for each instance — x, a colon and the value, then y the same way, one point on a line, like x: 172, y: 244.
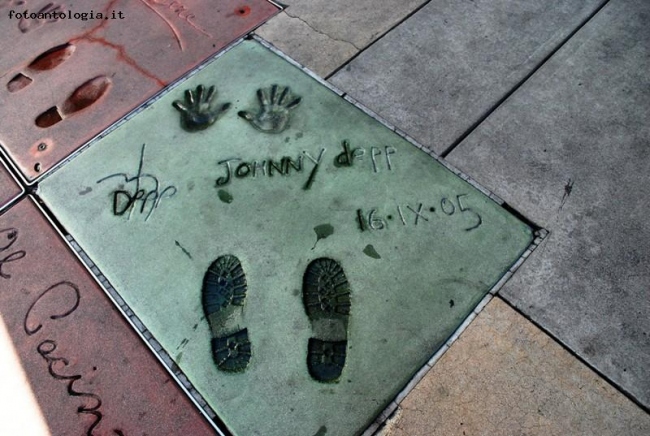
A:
x: 409, y: 215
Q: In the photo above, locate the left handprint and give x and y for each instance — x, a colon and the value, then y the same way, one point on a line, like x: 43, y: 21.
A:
x: 197, y: 112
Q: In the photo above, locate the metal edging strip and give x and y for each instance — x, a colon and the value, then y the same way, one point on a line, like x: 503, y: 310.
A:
x: 539, y: 237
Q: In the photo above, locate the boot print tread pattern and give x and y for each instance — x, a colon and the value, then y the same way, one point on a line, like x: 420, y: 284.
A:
x: 224, y: 293
x: 326, y: 296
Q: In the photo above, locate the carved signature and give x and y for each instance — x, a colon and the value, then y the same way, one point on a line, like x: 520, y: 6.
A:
x: 181, y: 12
x: 7, y: 238
x: 124, y: 201
x: 55, y: 365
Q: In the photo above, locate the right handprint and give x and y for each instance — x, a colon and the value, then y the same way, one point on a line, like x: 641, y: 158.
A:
x: 273, y: 115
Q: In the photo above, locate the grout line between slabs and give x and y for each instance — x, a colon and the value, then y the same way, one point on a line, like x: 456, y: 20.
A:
x: 519, y: 84
x: 581, y: 359
x: 380, y: 37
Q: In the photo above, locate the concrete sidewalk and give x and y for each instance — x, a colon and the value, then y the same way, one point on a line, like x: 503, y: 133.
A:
x: 545, y: 104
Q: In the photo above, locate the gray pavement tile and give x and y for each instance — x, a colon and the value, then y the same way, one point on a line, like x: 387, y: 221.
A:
x: 570, y: 150
x: 324, y: 34
x: 439, y: 72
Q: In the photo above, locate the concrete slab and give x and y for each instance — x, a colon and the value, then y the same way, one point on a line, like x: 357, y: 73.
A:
x: 86, y: 371
x: 323, y: 34
x: 10, y: 189
x: 570, y: 150
x: 439, y: 72
x: 316, y: 50
x: 272, y: 240
x: 504, y: 376
x: 66, y: 78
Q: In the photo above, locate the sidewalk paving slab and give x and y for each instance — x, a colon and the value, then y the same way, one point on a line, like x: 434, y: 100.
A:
x: 504, y: 376
x: 64, y: 81
x: 440, y: 71
x: 324, y: 34
x: 86, y: 370
x: 570, y: 150
x: 10, y: 189
x: 167, y: 199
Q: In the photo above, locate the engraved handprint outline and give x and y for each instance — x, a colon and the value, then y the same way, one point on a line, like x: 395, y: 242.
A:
x: 198, y: 111
x: 273, y: 115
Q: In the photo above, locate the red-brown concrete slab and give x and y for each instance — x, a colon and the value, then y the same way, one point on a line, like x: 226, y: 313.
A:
x: 63, y: 80
x: 9, y: 187
x: 88, y: 371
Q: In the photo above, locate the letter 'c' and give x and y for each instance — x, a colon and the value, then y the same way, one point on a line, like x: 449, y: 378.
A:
x: 64, y: 285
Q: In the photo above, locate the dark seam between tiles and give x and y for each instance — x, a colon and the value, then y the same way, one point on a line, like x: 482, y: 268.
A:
x: 514, y: 89
x: 581, y: 359
x: 381, y: 36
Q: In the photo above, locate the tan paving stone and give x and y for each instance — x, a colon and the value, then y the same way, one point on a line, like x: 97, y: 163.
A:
x: 504, y: 376
x: 323, y: 34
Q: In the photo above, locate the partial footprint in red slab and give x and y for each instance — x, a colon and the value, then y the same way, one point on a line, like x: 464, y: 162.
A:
x: 19, y: 82
x: 47, y: 60
x: 52, y: 58
x: 84, y: 96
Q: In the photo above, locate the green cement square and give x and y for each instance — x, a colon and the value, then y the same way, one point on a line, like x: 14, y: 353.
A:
x: 418, y: 245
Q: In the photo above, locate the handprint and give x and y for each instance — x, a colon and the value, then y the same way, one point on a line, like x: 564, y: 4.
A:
x: 273, y: 115
x: 197, y: 112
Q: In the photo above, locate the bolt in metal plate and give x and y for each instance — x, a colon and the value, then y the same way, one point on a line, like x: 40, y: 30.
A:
x: 67, y: 78
x: 87, y: 370
x: 10, y: 189
x: 299, y: 260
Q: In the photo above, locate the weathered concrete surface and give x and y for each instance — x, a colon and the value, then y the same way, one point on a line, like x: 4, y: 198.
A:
x: 9, y: 188
x: 441, y: 70
x: 79, y: 364
x: 570, y: 150
x: 504, y: 376
x: 276, y: 222
x: 324, y: 34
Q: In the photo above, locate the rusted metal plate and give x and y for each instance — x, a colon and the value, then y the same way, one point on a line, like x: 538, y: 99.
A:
x: 87, y: 370
x: 65, y: 79
x: 9, y: 187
